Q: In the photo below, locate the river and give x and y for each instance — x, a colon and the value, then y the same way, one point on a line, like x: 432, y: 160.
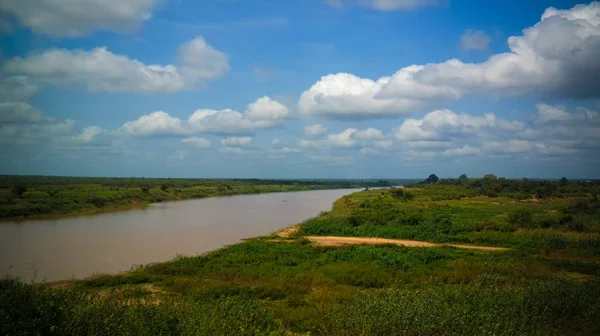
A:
x: 78, y: 247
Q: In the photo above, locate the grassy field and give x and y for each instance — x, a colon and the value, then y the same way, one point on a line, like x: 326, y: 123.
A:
x: 548, y: 283
x: 50, y: 197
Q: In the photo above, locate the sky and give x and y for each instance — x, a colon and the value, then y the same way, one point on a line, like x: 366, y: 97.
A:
x: 300, y: 88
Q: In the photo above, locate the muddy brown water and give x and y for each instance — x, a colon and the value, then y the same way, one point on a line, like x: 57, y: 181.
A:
x: 50, y: 250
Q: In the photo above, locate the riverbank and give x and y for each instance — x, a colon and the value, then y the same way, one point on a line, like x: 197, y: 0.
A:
x: 24, y: 198
x: 545, y: 281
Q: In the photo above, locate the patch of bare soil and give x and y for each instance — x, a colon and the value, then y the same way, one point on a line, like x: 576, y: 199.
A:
x: 338, y: 241
x: 288, y: 232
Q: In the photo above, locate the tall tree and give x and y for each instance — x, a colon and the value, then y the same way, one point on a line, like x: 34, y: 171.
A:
x: 432, y: 179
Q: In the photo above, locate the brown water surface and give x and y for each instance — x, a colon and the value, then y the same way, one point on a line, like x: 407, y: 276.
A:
x: 50, y: 250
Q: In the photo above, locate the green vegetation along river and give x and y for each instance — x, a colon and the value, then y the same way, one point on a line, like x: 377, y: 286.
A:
x: 422, y: 275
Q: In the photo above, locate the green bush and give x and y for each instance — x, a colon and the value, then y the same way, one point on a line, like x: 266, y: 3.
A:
x: 522, y: 218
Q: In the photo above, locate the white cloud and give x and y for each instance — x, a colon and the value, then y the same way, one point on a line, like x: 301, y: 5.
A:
x: 197, y: 142
x: 20, y: 113
x: 30, y: 127
x: 313, y: 131
x: 155, y: 123
x: 79, y: 17
x: 284, y: 150
x: 346, y: 96
x: 443, y: 124
x: 201, y: 61
x: 383, y: 5
x: 349, y: 138
x: 266, y: 109
x: 275, y: 142
x: 16, y: 89
x: 465, y: 150
x: 235, y: 150
x: 236, y: 141
x: 512, y: 146
x: 206, y: 121
x: 262, y: 114
x: 551, y: 113
x: 101, y: 70
x: 87, y: 137
x: 474, y: 40
x: 556, y: 57
x: 369, y: 134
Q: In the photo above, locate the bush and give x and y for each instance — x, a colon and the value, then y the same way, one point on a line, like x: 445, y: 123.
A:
x: 522, y: 218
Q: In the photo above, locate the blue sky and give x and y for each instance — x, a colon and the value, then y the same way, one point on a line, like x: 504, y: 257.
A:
x: 300, y: 88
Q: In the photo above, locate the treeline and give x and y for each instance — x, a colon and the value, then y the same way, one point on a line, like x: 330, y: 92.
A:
x: 11, y: 181
x: 43, y: 196
x: 525, y: 188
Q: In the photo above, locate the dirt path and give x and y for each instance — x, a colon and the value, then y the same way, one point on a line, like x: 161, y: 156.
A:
x: 337, y: 241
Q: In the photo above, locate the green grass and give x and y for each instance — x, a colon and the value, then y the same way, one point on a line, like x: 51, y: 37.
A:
x: 548, y: 284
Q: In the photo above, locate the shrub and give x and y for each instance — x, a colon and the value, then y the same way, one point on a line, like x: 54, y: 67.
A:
x: 522, y: 218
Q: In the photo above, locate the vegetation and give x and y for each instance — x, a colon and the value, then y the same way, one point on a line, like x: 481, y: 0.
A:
x: 548, y: 284
x: 43, y: 196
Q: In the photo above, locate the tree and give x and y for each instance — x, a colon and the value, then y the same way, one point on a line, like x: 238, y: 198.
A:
x: 432, y: 179
x: 463, y: 177
x: 18, y: 190
x: 563, y: 180
x: 490, y: 177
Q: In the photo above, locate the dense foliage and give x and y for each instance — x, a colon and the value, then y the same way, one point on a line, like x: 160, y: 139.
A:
x: 548, y: 284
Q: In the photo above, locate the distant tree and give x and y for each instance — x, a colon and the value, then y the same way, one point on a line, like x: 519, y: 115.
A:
x: 432, y: 179
x: 563, y: 180
x: 463, y: 177
x: 490, y: 177
x: 164, y: 187
x: 18, y: 190
x: 145, y: 189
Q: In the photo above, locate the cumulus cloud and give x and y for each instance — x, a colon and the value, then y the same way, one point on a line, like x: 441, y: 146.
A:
x: 474, y: 40
x: 87, y: 136
x: 235, y: 150
x: 445, y: 124
x: 383, y: 5
x: 197, y: 142
x: 153, y: 124
x: 283, y: 150
x: 555, y: 57
x: 349, y: 138
x: 201, y: 61
x: 101, y: 70
x: 19, y: 113
x: 550, y: 113
x: 236, y: 141
x: 76, y: 18
x: 346, y: 96
x: 465, y: 150
x: 262, y: 114
x: 266, y: 109
x: 317, y: 130
x: 21, y: 124
x: 369, y: 134
x: 16, y: 89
